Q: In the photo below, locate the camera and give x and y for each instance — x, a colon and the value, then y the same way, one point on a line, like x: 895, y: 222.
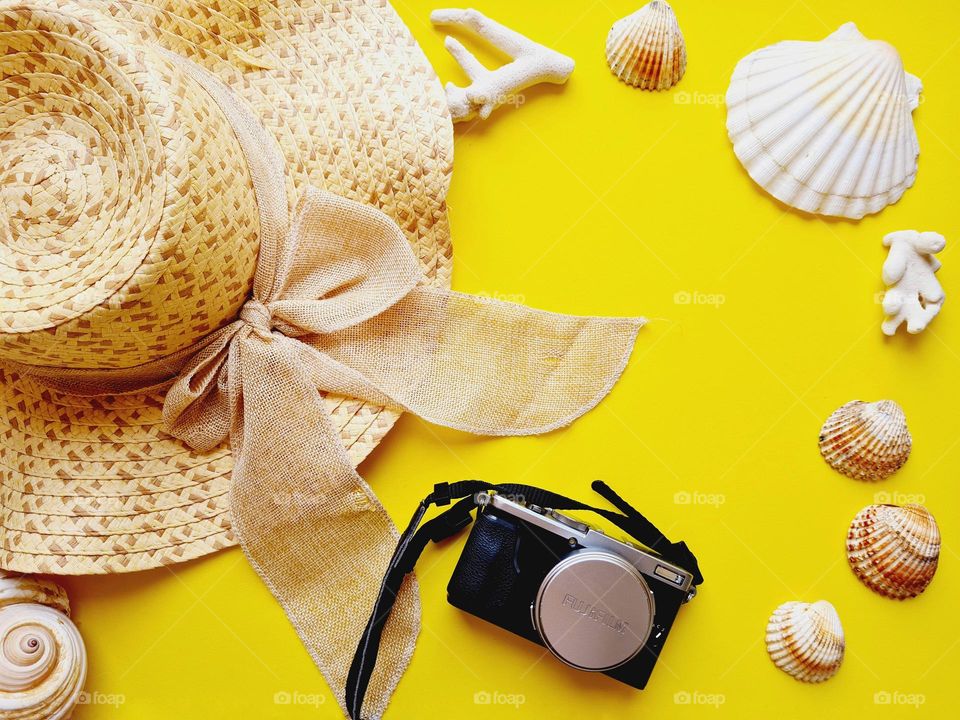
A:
x: 596, y: 603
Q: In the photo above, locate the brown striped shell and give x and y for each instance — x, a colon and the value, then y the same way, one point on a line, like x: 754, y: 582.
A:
x: 646, y: 49
x: 894, y: 550
x: 866, y: 440
x: 805, y: 640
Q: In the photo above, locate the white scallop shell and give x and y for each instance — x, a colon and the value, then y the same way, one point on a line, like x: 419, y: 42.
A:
x: 646, y: 49
x: 43, y: 662
x: 894, y: 550
x: 826, y: 126
x: 866, y: 440
x: 806, y: 640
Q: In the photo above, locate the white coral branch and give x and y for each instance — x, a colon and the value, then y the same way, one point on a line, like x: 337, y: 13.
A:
x: 914, y: 295
x: 531, y: 63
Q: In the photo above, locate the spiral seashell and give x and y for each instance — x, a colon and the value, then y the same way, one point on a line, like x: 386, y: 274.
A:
x: 866, y: 440
x: 806, y: 640
x: 646, y: 49
x: 894, y: 550
x: 43, y: 662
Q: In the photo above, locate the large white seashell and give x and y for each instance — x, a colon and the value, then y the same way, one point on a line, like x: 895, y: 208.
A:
x: 43, y: 662
x: 646, y: 49
x: 894, y: 550
x: 826, y: 126
x: 806, y: 640
x: 866, y: 440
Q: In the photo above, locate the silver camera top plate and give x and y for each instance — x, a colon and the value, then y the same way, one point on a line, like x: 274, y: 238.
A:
x: 653, y: 567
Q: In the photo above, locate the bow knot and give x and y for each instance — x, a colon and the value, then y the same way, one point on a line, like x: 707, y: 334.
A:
x: 258, y: 316
x: 338, y: 309
x: 311, y: 281
x: 338, y: 292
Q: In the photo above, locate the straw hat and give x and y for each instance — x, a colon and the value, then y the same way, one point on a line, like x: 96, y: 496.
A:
x: 129, y: 230
x: 181, y: 295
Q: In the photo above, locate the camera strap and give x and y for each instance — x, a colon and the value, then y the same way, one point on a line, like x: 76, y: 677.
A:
x: 448, y: 523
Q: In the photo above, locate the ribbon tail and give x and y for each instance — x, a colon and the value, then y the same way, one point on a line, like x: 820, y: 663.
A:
x: 309, y: 524
x: 484, y: 366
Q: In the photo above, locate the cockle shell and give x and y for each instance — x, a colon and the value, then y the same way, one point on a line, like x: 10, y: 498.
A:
x: 866, y: 440
x: 826, y: 126
x: 806, y: 640
x: 894, y: 550
x: 43, y: 662
x: 646, y: 49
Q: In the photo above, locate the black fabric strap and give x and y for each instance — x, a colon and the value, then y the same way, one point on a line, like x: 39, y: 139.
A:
x: 448, y: 523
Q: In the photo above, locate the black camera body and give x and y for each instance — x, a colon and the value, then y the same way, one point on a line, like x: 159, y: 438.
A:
x: 597, y: 603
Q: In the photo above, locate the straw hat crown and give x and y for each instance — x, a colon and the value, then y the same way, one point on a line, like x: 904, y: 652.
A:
x: 129, y: 221
x: 130, y: 230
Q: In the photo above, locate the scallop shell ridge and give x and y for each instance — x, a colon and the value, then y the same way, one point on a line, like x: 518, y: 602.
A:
x: 646, y: 49
x: 894, y: 550
x: 866, y: 440
x: 806, y: 640
x: 827, y: 126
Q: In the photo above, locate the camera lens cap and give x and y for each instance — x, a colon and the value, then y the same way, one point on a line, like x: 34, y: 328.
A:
x: 594, y: 610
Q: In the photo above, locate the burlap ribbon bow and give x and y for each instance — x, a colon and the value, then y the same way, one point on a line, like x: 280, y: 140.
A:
x: 342, y: 311
x: 339, y: 306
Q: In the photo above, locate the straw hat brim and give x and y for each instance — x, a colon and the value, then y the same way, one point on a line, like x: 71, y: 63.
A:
x: 95, y: 485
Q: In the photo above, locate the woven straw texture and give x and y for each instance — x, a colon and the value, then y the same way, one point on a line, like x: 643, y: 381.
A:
x: 129, y: 230
x: 216, y: 264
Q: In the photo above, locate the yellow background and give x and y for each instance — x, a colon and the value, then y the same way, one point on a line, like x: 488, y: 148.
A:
x: 596, y: 198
